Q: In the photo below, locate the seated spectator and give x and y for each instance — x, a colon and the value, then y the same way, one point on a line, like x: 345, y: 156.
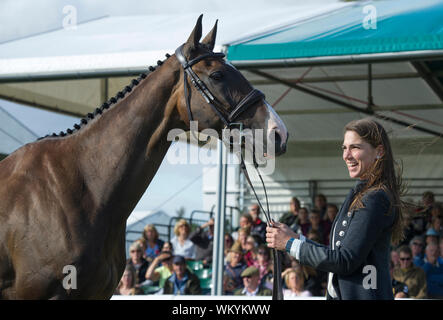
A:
x: 399, y: 289
x: 395, y: 258
x: 436, y: 211
x: 243, y: 234
x: 433, y: 268
x: 428, y: 201
x: 233, y: 268
x: 251, y: 284
x: 331, y: 213
x: 249, y: 254
x: 244, y: 222
x: 295, y: 282
x: 437, y: 225
x: 315, y: 280
x: 290, y: 218
x: 314, y: 235
x: 153, y: 243
x: 263, y: 262
x: 229, y: 241
x: 414, y: 277
x: 204, y: 242
x: 127, y: 284
x: 258, y: 226
x: 410, y: 229
x: 320, y: 203
x: 138, y: 262
x: 181, y: 243
x: 182, y: 281
x: 431, y: 236
x: 417, y: 246
x: 316, y: 225
x: 303, y: 222
x: 160, y: 269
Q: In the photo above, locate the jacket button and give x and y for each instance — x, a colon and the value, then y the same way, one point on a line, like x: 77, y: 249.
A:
x: 349, y: 214
x: 341, y: 233
x: 337, y: 244
x: 344, y: 223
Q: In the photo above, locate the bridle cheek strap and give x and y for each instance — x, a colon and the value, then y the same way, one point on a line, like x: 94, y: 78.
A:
x: 251, y: 98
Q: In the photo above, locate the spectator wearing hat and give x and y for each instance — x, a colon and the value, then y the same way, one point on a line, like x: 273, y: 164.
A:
x: 431, y: 236
x: 433, y: 268
x: 204, y: 242
x: 251, y: 284
x: 414, y: 277
x: 182, y: 281
x: 161, y: 268
x: 233, y: 269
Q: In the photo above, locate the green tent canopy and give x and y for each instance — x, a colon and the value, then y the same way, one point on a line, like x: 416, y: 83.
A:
x: 367, y: 27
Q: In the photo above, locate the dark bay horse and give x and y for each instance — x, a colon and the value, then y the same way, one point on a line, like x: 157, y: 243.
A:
x: 64, y: 199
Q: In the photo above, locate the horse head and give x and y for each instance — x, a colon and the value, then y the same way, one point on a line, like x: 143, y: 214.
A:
x: 218, y: 96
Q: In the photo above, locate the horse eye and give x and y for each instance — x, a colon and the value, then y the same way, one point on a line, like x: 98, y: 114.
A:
x: 217, y: 75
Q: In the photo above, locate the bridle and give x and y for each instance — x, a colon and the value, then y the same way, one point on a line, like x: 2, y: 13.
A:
x: 228, y: 119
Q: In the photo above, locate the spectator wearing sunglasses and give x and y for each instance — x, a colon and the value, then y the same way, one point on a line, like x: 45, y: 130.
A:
x: 414, y: 277
x: 138, y: 262
x: 417, y: 245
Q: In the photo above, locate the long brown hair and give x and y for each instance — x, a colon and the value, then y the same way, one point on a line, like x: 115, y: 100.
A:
x: 384, y: 174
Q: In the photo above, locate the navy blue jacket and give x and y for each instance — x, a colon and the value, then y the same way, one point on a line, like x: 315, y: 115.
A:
x: 358, y: 238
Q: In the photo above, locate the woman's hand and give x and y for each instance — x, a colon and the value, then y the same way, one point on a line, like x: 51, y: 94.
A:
x: 278, y: 235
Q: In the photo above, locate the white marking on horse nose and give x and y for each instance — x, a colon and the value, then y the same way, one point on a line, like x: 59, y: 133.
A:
x: 276, y: 123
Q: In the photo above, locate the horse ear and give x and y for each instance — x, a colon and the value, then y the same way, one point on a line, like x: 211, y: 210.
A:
x: 209, y: 40
x: 194, y: 39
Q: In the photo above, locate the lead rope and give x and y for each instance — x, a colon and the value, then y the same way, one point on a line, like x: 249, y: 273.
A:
x: 277, y: 290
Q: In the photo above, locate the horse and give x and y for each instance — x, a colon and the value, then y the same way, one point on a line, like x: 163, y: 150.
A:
x: 65, y: 198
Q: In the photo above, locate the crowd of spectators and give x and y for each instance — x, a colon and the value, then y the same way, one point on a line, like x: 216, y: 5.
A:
x: 176, y: 267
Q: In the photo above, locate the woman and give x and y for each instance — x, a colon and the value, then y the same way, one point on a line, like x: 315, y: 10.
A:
x: 357, y: 258
x: 153, y: 243
x: 127, y: 285
x: 264, y: 265
x: 139, y: 263
x: 181, y: 244
x: 249, y: 251
x: 295, y: 282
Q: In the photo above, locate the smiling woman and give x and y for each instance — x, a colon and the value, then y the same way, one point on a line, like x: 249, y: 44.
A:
x: 357, y: 258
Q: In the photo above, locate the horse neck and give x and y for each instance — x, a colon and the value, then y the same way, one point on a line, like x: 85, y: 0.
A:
x: 121, y: 150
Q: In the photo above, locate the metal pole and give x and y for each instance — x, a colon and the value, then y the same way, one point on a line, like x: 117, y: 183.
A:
x: 219, y: 227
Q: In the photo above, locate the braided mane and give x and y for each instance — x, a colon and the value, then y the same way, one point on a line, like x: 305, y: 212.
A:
x: 106, y: 105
